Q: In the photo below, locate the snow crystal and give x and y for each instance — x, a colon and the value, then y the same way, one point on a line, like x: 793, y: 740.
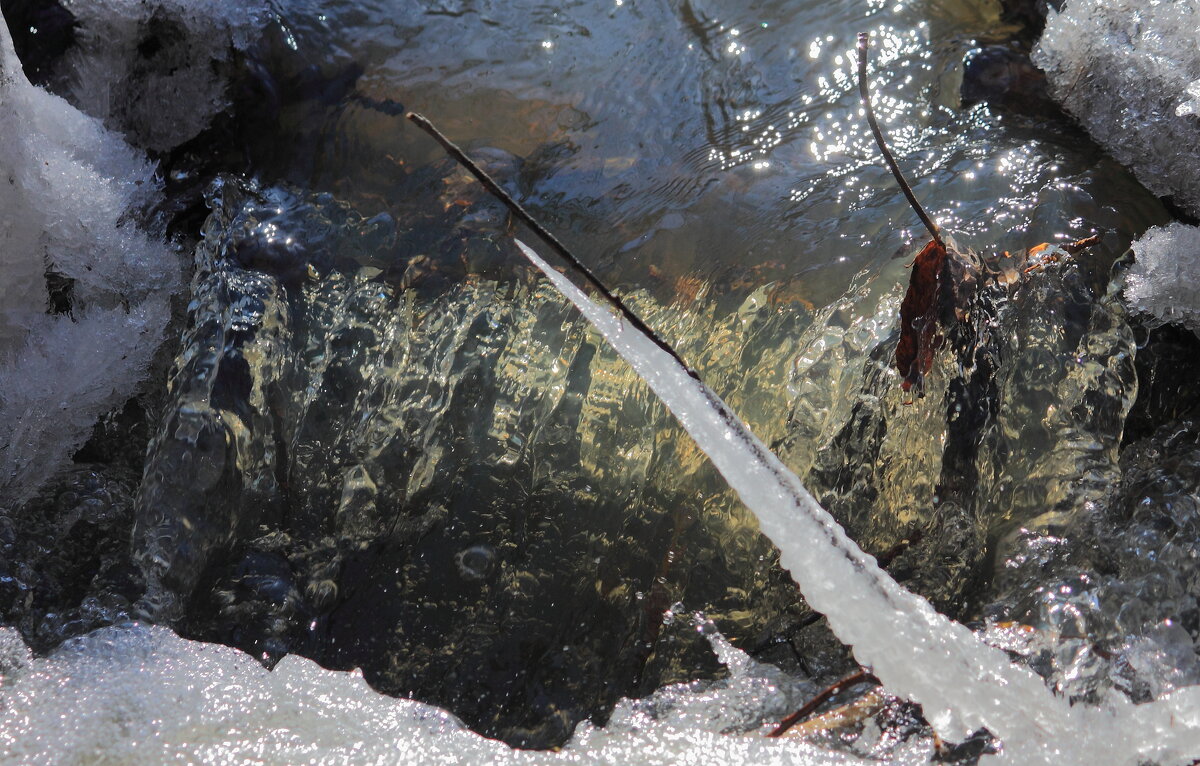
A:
x: 1164, y: 281
x: 66, y: 188
x: 1130, y: 72
x: 1192, y: 105
x: 157, y: 70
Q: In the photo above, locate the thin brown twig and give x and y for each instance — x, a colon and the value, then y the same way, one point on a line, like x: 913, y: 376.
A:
x: 860, y: 676
x: 864, y: 42
x: 553, y: 242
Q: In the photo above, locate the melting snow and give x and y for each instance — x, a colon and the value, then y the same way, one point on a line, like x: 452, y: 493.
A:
x: 138, y: 694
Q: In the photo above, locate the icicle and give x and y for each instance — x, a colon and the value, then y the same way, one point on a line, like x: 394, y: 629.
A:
x: 918, y: 653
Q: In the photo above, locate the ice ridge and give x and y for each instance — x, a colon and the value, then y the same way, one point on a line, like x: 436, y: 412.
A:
x: 917, y: 652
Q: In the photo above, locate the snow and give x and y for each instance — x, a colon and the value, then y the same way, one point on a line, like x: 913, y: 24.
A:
x: 67, y: 187
x: 137, y: 694
x: 1164, y: 281
x: 1130, y: 72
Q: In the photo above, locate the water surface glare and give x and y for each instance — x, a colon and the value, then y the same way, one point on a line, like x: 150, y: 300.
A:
x: 386, y: 443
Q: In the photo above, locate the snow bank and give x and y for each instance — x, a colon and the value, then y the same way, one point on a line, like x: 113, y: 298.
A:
x: 136, y: 694
x: 1129, y: 70
x: 67, y: 187
x: 156, y: 70
x: 1164, y: 282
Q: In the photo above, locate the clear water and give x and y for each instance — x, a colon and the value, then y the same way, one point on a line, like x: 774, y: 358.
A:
x: 719, y: 142
x: 386, y: 444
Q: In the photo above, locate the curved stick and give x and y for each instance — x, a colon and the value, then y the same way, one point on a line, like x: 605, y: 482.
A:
x: 860, y: 676
x: 523, y: 215
x: 864, y: 42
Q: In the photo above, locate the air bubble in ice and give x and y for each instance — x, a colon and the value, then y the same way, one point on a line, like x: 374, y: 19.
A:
x: 476, y: 562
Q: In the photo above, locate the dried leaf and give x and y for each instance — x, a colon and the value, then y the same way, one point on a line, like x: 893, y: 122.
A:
x: 943, y: 284
x: 920, y: 334
x: 1047, y: 252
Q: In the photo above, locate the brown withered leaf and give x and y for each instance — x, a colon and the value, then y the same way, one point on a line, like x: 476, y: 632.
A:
x: 1046, y: 253
x: 943, y: 283
x: 944, y: 279
x: 920, y: 333
x: 940, y: 290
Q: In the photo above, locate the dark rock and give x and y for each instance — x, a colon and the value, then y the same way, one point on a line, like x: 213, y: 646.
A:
x: 1004, y: 77
x: 42, y: 31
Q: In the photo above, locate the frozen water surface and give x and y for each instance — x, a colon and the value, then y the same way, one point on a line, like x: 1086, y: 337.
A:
x: 1162, y: 281
x: 140, y: 694
x: 384, y: 446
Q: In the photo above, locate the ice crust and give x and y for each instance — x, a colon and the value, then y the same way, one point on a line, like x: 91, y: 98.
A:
x: 1164, y: 281
x: 137, y: 61
x: 138, y: 694
x: 919, y: 654
x: 67, y: 188
x: 1130, y: 72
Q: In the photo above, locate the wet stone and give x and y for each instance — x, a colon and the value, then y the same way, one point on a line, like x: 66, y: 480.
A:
x: 1004, y: 77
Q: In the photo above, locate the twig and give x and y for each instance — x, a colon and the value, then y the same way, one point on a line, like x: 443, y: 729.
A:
x: 523, y: 215
x: 857, y: 677
x: 864, y: 42
x: 839, y: 717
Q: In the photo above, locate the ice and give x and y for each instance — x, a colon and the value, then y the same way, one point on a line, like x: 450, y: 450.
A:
x: 136, y: 694
x: 917, y: 653
x: 157, y: 71
x: 1163, y: 282
x: 1130, y: 72
x: 67, y: 189
x: 139, y: 694
x: 314, y: 415
x: 1192, y: 105
x: 1103, y: 600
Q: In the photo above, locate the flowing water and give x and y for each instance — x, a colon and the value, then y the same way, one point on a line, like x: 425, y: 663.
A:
x: 384, y: 442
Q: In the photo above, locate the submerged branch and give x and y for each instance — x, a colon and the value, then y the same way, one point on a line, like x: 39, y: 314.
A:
x: 864, y: 42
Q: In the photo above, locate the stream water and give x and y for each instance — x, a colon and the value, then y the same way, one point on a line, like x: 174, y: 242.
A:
x: 378, y: 439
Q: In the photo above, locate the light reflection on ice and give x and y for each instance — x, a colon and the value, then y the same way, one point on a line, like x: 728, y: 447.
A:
x: 1162, y: 282
x: 140, y: 694
x: 918, y: 653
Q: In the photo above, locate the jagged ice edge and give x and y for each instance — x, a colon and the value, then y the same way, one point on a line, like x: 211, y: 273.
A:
x: 918, y: 653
